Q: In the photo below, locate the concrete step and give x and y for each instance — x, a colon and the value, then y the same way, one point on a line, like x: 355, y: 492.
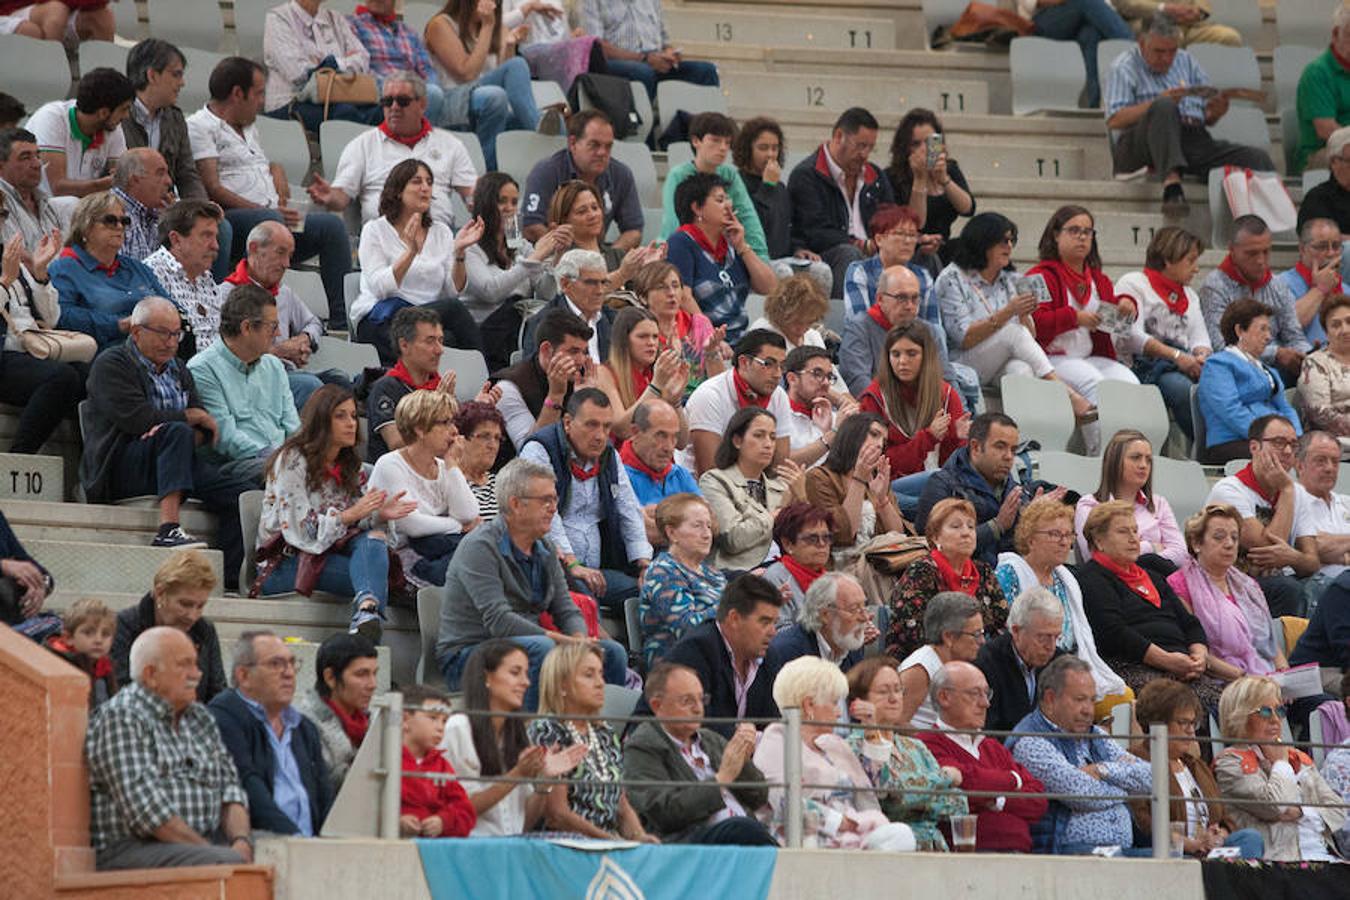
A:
x: 831, y: 94
x: 685, y: 24
x: 26, y: 476
x: 114, y: 524
x: 905, y: 16
x: 80, y: 566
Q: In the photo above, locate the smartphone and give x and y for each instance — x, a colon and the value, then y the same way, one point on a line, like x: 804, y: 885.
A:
x: 936, y: 146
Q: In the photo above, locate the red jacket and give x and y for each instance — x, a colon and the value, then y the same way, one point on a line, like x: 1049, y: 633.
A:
x: 424, y: 798
x: 906, y: 452
x: 1061, y: 314
x: 1008, y: 829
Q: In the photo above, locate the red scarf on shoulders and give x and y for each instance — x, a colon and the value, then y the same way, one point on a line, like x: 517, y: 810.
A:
x: 1306, y: 274
x: 1077, y: 284
x: 803, y: 575
x: 109, y: 270
x: 1134, y: 576
x: 411, y: 140
x: 967, y: 581
x: 382, y: 18
x: 401, y: 373
x: 745, y: 395
x: 1173, y: 293
x: 878, y: 316
x: 1229, y: 268
x: 1247, y: 475
x: 583, y: 474
x: 240, y: 276
x: 718, y: 253
x: 354, y: 724
x: 628, y: 456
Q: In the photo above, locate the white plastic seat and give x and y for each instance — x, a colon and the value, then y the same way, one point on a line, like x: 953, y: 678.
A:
x: 102, y: 54
x: 1246, y: 17
x: 32, y: 71
x: 1313, y: 177
x: 651, y: 223
x: 754, y: 306
x: 678, y: 154
x: 196, y: 90
x: 1290, y: 61
x: 429, y: 623
x: 1077, y: 473
x: 250, y: 16
x: 518, y: 151
x: 417, y: 15
x: 186, y: 23
x: 547, y: 93
x: 673, y: 96
x: 1228, y: 67
x: 1107, y: 53
x: 351, y: 289
x: 1198, y: 443
x: 345, y: 356
x: 250, y: 512
x: 940, y: 14
x: 308, y: 285
x: 470, y: 370
x: 1306, y: 22
x: 620, y: 701
x: 284, y: 142
x: 1041, y: 409
x: 1234, y: 466
x: 475, y: 150
x: 334, y: 136
x: 638, y: 158
x: 1183, y: 483
x: 1123, y: 405
x: 128, y: 20
x: 1047, y: 76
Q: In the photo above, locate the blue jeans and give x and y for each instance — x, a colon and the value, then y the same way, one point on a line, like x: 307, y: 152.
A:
x: 907, y: 489
x: 311, y: 114
x: 619, y: 586
x: 324, y: 236
x: 500, y: 99
x: 302, y: 385
x: 1088, y: 22
x: 1248, y: 841
x: 694, y: 71
x: 536, y: 647
x: 224, y: 264
x: 360, y: 571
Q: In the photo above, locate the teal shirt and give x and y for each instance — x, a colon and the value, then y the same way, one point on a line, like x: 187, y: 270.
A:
x: 252, y: 405
x: 740, y: 201
x: 1323, y: 93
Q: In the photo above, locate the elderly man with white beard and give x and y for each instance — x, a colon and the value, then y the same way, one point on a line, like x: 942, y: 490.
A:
x: 833, y: 623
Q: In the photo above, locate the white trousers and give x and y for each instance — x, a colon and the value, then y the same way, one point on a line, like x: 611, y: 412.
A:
x: 1083, y: 374
x: 1009, y: 351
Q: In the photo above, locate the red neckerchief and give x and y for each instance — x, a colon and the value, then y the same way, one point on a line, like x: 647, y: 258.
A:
x: 745, y: 395
x: 240, y: 276
x: 1134, y: 576
x: 400, y: 371
x: 582, y: 474
x: 1247, y: 476
x: 803, y: 408
x: 628, y: 456
x: 388, y: 19
x: 966, y: 581
x: 110, y: 270
x: 641, y: 378
x: 879, y: 317
x: 1173, y: 293
x: 334, y: 472
x: 411, y: 140
x: 1229, y: 268
x: 1077, y: 284
x: 1345, y: 63
x: 718, y: 253
x: 803, y: 575
x: 1306, y: 274
x: 102, y: 666
x: 684, y: 323
x: 354, y: 724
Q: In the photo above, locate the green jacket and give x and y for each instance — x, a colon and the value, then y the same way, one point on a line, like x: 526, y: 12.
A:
x: 740, y: 201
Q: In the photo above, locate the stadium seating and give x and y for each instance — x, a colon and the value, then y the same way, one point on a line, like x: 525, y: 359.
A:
x: 1041, y: 409
x: 470, y: 370
x: 187, y: 23
x: 1137, y: 406
x: 1047, y: 76
x: 96, y: 54
x: 1306, y: 22
x: 309, y: 286
x: 33, y: 73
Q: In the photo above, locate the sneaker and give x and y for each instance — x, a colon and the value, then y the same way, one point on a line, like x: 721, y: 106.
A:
x: 366, y: 622
x: 174, y: 536
x: 1174, y: 203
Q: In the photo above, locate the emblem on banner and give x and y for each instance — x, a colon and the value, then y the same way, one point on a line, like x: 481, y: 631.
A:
x: 611, y: 882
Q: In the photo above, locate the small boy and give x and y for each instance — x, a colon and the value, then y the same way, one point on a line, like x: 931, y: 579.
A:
x: 430, y: 808
x: 85, y: 641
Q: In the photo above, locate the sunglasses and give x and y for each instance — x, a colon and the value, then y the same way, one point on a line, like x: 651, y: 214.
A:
x: 1269, y: 712
x: 403, y: 101
x: 115, y: 221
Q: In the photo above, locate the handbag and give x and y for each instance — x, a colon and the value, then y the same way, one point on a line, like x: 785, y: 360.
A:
x: 327, y: 86
x: 1259, y: 194
x: 55, y: 344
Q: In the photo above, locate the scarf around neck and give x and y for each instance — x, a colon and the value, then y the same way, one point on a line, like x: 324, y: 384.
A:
x: 1078, y: 285
x: 1133, y: 576
x: 1247, y: 475
x: 411, y: 140
x: 718, y: 253
x: 353, y: 724
x: 967, y: 581
x: 805, y: 576
x: 1229, y: 623
x: 400, y: 372
x: 1173, y: 293
x: 746, y: 395
x: 879, y: 317
x: 628, y: 456
x: 1229, y: 268
x: 383, y: 18
x: 240, y: 276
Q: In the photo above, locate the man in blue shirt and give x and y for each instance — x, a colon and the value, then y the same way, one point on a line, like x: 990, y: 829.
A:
x: 649, y: 457
x: 1316, y: 275
x: 277, y: 751
x: 1159, y: 105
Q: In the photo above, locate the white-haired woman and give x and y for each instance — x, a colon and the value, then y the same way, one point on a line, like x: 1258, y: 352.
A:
x: 953, y: 630
x: 839, y: 816
x: 1273, y: 779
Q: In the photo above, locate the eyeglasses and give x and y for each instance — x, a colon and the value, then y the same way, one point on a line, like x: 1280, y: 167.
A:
x: 279, y: 664
x: 815, y: 539
x: 163, y: 332
x: 1056, y: 535
x: 486, y: 437
x: 1079, y: 232
x: 1326, y: 246
x: 691, y: 701
x: 826, y: 375
x: 1281, y: 443
x: 978, y: 636
x: 402, y: 100
x: 273, y: 327
x: 976, y: 693
x: 592, y: 282
x: 902, y: 235
x: 1269, y: 712
x: 853, y: 612
x: 900, y: 298
x: 768, y: 364
x: 1185, y: 725
x: 546, y: 499
x: 115, y: 221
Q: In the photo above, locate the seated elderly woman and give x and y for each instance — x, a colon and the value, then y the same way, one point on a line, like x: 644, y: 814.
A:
x: 1228, y: 602
x: 1273, y: 778
x: 483, y: 429
x: 954, y: 630
x: 1207, y: 824
x: 680, y: 589
x: 744, y: 496
x: 572, y: 683
x: 1043, y: 539
x: 852, y: 484
x: 802, y: 532
x: 1324, y: 384
x: 836, y: 817
x: 97, y: 285
x: 1237, y: 387
x: 426, y: 470
x: 949, y: 566
x: 898, y: 764
x: 1127, y: 474
x: 794, y: 309
x: 1143, y: 631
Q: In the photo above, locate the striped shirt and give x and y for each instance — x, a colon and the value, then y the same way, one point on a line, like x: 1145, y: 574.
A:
x: 486, y: 495
x: 634, y: 25
x: 1131, y: 81
x: 142, y: 238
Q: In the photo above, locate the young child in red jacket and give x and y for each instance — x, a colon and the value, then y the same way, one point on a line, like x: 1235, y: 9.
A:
x: 430, y: 808
x: 85, y: 641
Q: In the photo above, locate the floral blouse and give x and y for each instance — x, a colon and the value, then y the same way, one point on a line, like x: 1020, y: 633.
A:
x: 674, y: 599
x: 1336, y: 771
x: 1324, y: 393
x: 309, y: 521
x: 920, y: 582
x: 597, y: 794
x: 908, y: 764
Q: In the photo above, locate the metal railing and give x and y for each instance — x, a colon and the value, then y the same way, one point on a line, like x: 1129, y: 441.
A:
x: 391, y: 774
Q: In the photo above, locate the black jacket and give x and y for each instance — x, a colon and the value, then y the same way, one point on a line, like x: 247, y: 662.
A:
x: 999, y: 663
x: 795, y: 641
x: 135, y: 619
x: 120, y: 411
x: 530, y: 347
x: 819, y: 213
x: 1124, y: 623
x: 246, y: 739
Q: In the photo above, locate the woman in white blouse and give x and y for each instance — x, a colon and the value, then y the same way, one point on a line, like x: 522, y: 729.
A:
x: 298, y: 37
x: 409, y: 260
x: 315, y: 504
x: 1168, y: 343
x: 426, y: 470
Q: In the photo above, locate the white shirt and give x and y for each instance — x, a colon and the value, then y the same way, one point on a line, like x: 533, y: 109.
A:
x: 1324, y: 516
x: 857, y: 228
x: 1155, y: 320
x: 506, y: 818
x: 714, y: 402
x: 543, y: 30
x: 427, y: 280
x: 519, y: 419
x: 241, y: 163
x: 444, y: 504
x: 487, y: 286
x: 593, y: 345
x: 367, y: 161
x: 51, y: 126
x: 1197, y: 814
x: 149, y: 121
x: 926, y: 715
x: 1251, y: 505
x: 1076, y: 343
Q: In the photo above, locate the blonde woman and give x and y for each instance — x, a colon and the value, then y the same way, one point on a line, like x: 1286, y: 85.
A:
x: 794, y: 309
x: 640, y: 367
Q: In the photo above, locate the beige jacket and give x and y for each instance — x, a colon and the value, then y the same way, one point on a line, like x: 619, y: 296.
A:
x: 1244, y: 773
x: 744, y: 526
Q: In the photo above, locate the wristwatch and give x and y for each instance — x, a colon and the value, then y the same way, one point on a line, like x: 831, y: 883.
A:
x: 246, y: 838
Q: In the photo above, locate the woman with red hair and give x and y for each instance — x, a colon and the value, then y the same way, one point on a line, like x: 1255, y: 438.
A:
x: 803, y: 534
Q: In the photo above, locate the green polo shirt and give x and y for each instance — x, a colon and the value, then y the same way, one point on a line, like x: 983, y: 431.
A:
x: 1323, y: 93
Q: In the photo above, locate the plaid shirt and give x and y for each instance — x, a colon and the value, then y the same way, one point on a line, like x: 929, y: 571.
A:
x: 167, y: 392
x: 144, y: 769
x: 634, y: 25
x: 392, y: 47
x: 142, y: 238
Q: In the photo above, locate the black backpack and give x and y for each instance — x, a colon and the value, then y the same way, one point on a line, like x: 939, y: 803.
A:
x: 610, y: 94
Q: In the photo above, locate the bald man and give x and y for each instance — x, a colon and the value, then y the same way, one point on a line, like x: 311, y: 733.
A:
x: 163, y: 788
x: 143, y: 184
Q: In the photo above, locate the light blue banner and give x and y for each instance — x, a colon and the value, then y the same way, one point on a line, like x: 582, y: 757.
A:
x: 520, y: 868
